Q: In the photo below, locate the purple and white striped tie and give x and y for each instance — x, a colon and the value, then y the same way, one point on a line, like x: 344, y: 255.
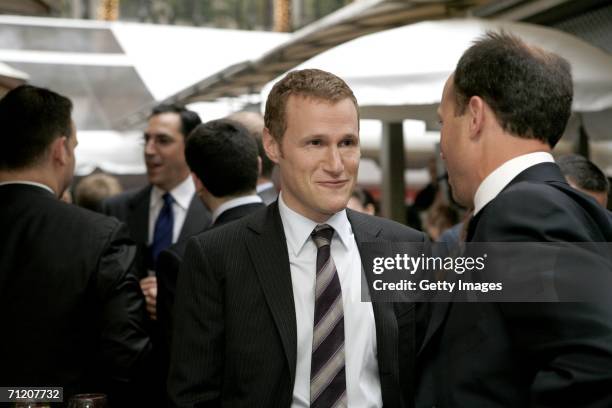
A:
x: 327, y: 369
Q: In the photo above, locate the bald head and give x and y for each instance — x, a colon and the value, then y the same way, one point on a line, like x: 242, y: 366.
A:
x: 254, y: 123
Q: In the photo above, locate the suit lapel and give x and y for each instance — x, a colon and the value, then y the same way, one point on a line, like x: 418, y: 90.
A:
x: 268, y: 250
x: 138, y: 217
x: 384, y: 315
x: 196, y: 220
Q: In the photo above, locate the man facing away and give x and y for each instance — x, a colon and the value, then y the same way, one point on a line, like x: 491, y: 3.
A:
x: 70, y: 304
x: 268, y: 309
x: 585, y: 176
x: 225, y: 165
x: 502, y: 111
x: 254, y: 123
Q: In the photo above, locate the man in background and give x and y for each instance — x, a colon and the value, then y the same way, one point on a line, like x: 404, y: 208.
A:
x: 167, y: 210
x: 95, y: 188
x: 503, y: 110
x: 585, y: 176
x: 254, y: 123
x: 164, y: 212
x: 224, y: 163
x: 72, y: 312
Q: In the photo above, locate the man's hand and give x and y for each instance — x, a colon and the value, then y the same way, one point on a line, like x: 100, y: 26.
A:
x: 149, y: 289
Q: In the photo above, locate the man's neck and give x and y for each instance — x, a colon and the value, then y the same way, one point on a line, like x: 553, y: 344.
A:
x: 212, y: 202
x: 33, y: 175
x: 503, y: 149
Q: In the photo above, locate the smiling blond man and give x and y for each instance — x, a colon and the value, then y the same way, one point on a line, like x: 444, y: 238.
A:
x: 268, y: 309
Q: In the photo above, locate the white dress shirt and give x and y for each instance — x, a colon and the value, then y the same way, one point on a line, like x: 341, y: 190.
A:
x: 264, y: 186
x: 182, y: 195
x: 499, y: 178
x: 233, y: 203
x: 361, y: 364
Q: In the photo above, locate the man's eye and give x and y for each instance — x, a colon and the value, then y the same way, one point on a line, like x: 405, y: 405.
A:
x: 315, y: 142
x: 347, y: 142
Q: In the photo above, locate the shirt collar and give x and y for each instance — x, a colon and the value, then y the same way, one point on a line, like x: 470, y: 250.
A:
x: 298, y: 228
x: 29, y: 183
x: 233, y: 203
x: 264, y: 186
x: 495, y: 182
x: 182, y: 194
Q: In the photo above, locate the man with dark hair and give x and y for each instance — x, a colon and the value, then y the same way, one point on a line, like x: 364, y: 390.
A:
x: 224, y: 163
x: 72, y: 312
x: 164, y: 212
x: 585, y: 176
x: 270, y: 304
x: 167, y: 210
x: 502, y: 111
x: 254, y: 123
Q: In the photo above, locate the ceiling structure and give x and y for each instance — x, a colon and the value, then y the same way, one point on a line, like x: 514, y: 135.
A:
x: 360, y: 18
x: 355, y: 20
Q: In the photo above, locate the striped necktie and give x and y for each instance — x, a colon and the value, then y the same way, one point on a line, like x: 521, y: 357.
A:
x: 327, y: 371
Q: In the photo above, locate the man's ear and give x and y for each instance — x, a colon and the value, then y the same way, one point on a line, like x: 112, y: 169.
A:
x: 197, y: 182
x: 259, y: 166
x: 271, y: 146
x: 59, y: 150
x: 476, y: 108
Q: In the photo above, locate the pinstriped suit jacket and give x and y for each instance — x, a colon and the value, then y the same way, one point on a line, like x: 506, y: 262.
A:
x: 234, y: 340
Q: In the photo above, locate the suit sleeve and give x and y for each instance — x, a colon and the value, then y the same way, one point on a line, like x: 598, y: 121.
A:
x: 570, y: 344
x: 167, y: 268
x: 196, y: 362
x: 124, y: 342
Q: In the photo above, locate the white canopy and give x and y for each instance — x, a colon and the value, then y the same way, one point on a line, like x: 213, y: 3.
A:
x: 400, y: 73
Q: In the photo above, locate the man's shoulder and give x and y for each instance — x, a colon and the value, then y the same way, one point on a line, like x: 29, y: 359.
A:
x: 544, y: 211
x: 236, y: 229
x: 389, y: 229
x: 90, y: 220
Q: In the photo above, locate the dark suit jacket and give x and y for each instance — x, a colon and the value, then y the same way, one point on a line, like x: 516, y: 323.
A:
x: 167, y: 269
x: 132, y: 207
x: 523, y: 354
x: 235, y: 342
x: 71, y: 308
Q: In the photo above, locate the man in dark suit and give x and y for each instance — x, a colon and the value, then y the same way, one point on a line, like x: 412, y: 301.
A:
x: 268, y: 309
x: 585, y: 176
x: 502, y: 111
x: 72, y: 312
x: 254, y: 123
x: 164, y: 212
x: 167, y: 210
x: 224, y: 162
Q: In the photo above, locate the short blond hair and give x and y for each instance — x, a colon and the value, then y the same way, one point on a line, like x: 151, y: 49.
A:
x: 93, y: 189
x: 309, y: 83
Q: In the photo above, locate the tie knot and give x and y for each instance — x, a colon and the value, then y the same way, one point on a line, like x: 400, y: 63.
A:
x: 168, y: 200
x: 322, y: 235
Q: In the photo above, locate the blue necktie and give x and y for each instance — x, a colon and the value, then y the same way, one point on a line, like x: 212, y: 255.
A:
x: 162, y: 237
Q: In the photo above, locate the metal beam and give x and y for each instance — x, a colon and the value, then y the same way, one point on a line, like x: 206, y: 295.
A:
x: 392, y: 164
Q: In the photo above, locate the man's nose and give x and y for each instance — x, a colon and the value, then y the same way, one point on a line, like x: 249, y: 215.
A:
x: 150, y: 147
x: 334, y: 162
